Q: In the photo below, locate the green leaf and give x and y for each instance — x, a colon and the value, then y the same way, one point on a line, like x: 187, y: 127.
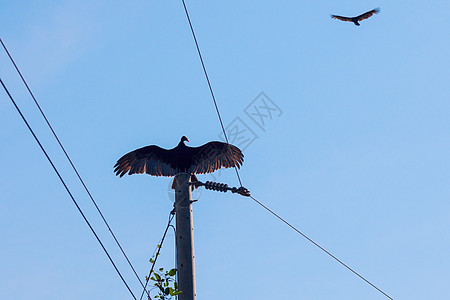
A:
x: 172, y: 272
x: 161, y: 269
x: 177, y: 293
x: 167, y: 291
x: 157, y: 276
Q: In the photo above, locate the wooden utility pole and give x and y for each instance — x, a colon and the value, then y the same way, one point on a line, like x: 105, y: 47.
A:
x: 185, y: 237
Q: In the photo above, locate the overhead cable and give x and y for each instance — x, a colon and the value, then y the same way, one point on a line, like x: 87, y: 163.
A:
x: 70, y: 161
x: 320, y: 247
x: 209, y: 83
x: 66, y: 187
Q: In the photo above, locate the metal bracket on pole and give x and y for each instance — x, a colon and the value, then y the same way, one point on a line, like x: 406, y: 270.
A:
x: 221, y: 187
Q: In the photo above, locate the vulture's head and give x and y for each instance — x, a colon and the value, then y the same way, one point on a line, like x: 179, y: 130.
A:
x: 184, y: 139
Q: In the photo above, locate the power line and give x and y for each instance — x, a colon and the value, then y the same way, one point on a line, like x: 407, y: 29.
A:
x: 320, y: 247
x: 67, y: 189
x: 237, y: 172
x: 70, y: 161
x: 209, y: 83
x: 172, y: 214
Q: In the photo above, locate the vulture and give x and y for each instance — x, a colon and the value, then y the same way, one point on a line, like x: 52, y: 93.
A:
x: 157, y: 161
x: 361, y: 17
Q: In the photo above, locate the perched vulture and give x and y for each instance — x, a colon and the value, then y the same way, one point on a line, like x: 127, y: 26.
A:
x: 156, y: 161
x: 361, y: 17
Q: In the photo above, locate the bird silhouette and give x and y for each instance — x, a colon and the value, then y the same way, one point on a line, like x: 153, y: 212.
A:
x: 157, y: 161
x: 356, y: 19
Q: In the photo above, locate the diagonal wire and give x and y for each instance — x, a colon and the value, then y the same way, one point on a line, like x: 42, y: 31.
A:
x: 70, y: 161
x: 67, y: 189
x: 320, y: 247
x: 172, y: 214
x: 209, y: 83
x: 237, y: 172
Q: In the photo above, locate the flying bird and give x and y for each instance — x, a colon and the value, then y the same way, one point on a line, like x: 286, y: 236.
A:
x: 157, y: 161
x: 361, y: 17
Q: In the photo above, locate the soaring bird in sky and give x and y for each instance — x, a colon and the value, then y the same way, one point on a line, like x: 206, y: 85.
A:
x: 356, y: 19
x: 157, y: 161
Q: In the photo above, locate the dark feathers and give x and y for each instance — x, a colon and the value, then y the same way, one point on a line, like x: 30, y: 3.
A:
x: 157, y: 161
x: 361, y: 17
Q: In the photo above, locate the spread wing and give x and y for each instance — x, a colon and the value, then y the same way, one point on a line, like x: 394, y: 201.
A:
x: 368, y: 14
x: 152, y: 160
x: 346, y: 19
x: 213, y: 156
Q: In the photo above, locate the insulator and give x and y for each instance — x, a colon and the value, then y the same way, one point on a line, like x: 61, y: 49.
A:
x: 222, y: 187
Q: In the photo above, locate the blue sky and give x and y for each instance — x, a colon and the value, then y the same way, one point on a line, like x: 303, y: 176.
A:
x: 358, y: 159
